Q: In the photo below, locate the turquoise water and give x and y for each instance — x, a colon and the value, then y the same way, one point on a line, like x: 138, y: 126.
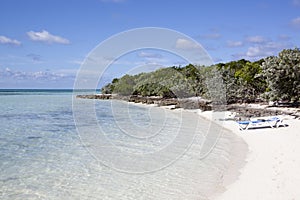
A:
x: 50, y: 149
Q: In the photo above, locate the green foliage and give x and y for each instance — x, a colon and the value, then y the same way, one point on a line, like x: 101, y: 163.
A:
x: 215, y: 87
x: 124, y: 85
x: 166, y: 82
x: 277, y: 78
x: 282, y: 74
x: 109, y: 88
x: 153, y: 89
x: 242, y: 81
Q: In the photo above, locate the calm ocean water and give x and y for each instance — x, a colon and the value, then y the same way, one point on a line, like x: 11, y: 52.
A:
x: 44, y: 155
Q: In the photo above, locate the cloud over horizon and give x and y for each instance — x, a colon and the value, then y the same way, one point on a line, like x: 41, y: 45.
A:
x: 259, y: 51
x: 45, y: 36
x: 8, y: 73
x: 185, y: 44
x: 6, y: 40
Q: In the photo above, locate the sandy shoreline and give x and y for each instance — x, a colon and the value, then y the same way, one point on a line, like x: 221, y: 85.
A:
x: 271, y: 168
x: 272, y: 164
x: 268, y: 168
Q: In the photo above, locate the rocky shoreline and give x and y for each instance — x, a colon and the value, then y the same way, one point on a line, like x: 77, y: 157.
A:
x: 185, y: 103
x: 243, y: 111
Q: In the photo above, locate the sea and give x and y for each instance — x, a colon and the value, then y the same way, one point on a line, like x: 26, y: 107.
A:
x: 56, y: 146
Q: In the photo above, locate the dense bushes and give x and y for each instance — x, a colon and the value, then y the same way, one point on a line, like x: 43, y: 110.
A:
x: 272, y: 78
x: 166, y: 82
x: 282, y: 74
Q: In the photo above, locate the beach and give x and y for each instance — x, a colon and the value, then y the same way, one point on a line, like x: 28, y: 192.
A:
x: 44, y: 156
x: 272, y: 163
x: 268, y: 168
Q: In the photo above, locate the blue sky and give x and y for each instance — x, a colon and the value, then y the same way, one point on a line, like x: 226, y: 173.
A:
x: 43, y: 43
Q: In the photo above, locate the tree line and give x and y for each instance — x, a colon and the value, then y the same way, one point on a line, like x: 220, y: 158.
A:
x: 274, y: 78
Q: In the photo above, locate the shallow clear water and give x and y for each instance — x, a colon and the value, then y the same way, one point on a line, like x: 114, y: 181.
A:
x: 43, y: 155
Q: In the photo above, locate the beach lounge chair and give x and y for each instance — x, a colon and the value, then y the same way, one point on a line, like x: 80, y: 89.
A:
x: 261, y: 123
x: 274, y: 121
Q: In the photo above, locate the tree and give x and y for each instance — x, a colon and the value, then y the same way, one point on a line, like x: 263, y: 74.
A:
x: 124, y: 85
x: 241, y: 80
x: 109, y: 88
x: 251, y: 84
x: 282, y: 74
x: 276, y: 77
x: 215, y: 86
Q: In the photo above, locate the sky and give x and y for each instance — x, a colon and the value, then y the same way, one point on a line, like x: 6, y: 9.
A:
x: 44, y: 43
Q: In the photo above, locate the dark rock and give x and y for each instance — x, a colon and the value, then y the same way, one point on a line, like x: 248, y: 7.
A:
x: 95, y: 96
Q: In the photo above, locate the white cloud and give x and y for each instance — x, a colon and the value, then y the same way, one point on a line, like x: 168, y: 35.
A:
x: 257, y: 51
x: 256, y: 39
x: 32, y: 76
x: 262, y: 50
x: 186, y: 44
x: 234, y: 43
x: 6, y: 40
x: 45, y: 36
x: 295, y: 22
x: 260, y: 47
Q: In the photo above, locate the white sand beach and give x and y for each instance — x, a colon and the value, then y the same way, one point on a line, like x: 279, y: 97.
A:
x: 272, y: 169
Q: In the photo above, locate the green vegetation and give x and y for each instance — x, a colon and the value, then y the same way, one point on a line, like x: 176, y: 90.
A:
x: 272, y: 78
x: 282, y: 75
